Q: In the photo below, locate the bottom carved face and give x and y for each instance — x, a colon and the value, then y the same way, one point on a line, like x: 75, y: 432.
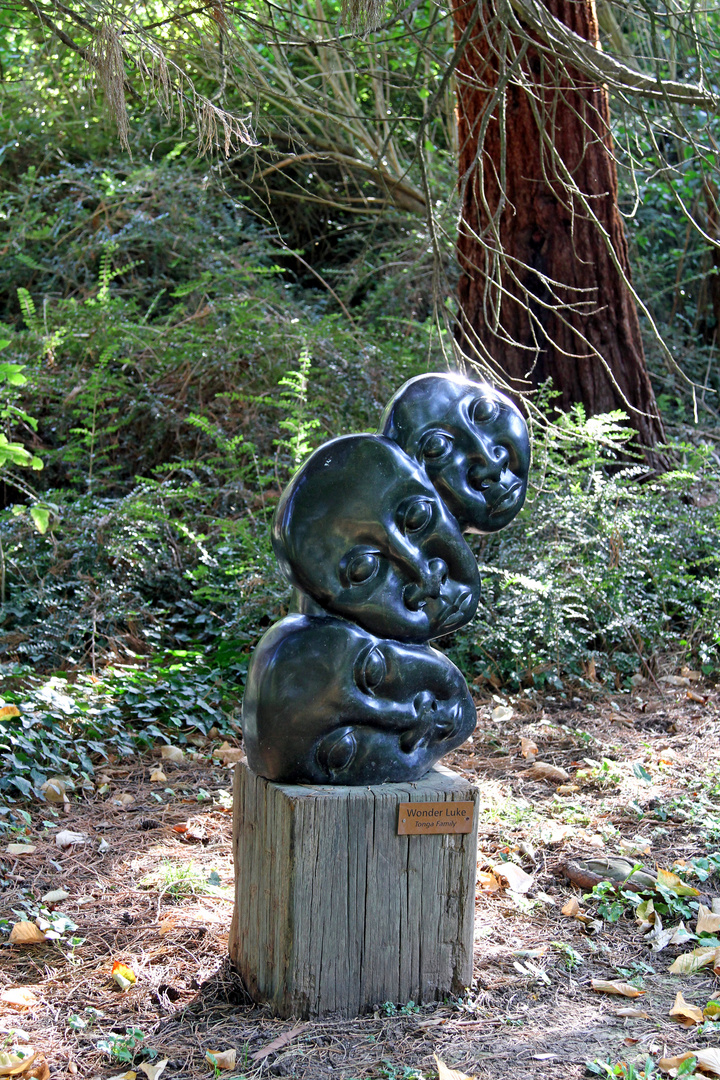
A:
x: 328, y: 703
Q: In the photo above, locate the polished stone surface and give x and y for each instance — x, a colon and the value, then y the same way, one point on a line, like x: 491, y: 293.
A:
x: 362, y: 531
x: 346, y: 689
x: 328, y: 703
x: 472, y: 442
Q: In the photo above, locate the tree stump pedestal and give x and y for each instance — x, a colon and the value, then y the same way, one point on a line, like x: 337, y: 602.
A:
x: 337, y: 908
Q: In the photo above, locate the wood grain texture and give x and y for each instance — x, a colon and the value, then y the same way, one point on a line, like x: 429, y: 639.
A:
x: 334, y: 912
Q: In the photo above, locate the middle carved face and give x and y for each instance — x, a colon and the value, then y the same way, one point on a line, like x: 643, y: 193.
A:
x: 362, y: 531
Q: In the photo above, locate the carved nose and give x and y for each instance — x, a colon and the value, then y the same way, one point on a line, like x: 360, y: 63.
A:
x: 486, y: 472
x: 424, y: 703
x: 432, y: 578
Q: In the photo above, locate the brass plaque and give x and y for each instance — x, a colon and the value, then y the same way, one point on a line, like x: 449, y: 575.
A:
x: 430, y: 818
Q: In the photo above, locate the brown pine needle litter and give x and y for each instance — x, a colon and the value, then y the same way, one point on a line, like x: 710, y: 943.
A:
x: 150, y: 890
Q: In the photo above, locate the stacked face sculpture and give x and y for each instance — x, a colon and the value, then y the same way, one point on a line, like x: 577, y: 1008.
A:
x: 369, y: 531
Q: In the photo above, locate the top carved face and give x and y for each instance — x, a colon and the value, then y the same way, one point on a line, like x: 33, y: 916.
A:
x: 362, y: 531
x: 472, y: 442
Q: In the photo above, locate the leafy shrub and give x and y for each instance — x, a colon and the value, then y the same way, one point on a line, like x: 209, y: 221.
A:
x: 600, y: 571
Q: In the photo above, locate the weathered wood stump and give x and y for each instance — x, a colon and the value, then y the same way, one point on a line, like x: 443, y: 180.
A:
x: 335, y: 911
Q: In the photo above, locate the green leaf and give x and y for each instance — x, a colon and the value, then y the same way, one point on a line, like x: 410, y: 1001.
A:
x: 26, y: 260
x: 12, y: 373
x: 193, y: 286
x: 41, y: 517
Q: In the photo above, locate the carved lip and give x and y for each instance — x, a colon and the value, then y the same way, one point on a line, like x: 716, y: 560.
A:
x: 508, y: 500
x: 460, y: 607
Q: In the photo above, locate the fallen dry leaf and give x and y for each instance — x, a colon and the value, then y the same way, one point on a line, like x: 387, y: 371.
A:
x: 66, y: 838
x: 228, y: 754
x: 222, y: 1059
x: 690, y: 962
x: 675, y: 884
x: 444, y: 1073
x: 568, y: 789
x: 701, y: 699
x: 279, y: 1042
x: 528, y: 748
x: 153, y: 1071
x: 157, y: 776
x: 681, y: 934
x: 707, y: 1060
x: 543, y: 770
x: 19, y: 998
x: 555, y: 833
x: 571, y: 907
x: 684, y: 1011
x: 659, y: 936
x: 172, y: 753
x: 487, y: 881
x: 125, y: 800
x: 672, y: 1063
x: 8, y: 711
x: 55, y: 896
x: 645, y: 912
x: 20, y: 849
x: 518, y: 880
x: 123, y: 975
x: 615, y: 986
x: 674, y: 680
x: 26, y: 933
x: 631, y: 1013
x: 193, y: 833
x: 39, y: 1071
x: 502, y: 713
x: 707, y: 921
x: 54, y: 790
x: 16, y: 1061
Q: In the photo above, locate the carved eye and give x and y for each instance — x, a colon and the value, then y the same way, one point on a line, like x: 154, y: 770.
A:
x: 372, y: 671
x: 483, y: 409
x: 417, y: 516
x: 362, y: 568
x: 436, y: 445
x: 337, y: 751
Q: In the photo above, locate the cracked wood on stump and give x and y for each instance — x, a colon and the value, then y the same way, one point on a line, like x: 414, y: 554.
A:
x: 334, y: 912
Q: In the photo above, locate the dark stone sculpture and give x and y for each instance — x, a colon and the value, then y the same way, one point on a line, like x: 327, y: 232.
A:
x: 361, y: 530
x: 328, y: 703
x: 347, y: 690
x: 472, y: 442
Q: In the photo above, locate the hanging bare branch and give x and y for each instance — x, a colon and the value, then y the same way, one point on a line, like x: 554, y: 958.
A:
x: 600, y: 67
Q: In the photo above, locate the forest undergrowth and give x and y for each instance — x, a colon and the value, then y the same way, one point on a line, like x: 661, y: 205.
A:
x: 168, y: 365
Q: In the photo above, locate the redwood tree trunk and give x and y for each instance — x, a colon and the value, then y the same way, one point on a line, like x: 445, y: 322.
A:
x: 562, y: 309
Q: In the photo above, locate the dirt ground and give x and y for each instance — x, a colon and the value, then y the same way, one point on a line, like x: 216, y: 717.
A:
x: 151, y: 887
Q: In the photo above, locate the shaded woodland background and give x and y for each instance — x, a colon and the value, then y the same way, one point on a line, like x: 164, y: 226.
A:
x: 229, y: 234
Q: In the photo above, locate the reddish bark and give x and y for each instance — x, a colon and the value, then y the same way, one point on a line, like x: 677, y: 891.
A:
x: 544, y: 228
